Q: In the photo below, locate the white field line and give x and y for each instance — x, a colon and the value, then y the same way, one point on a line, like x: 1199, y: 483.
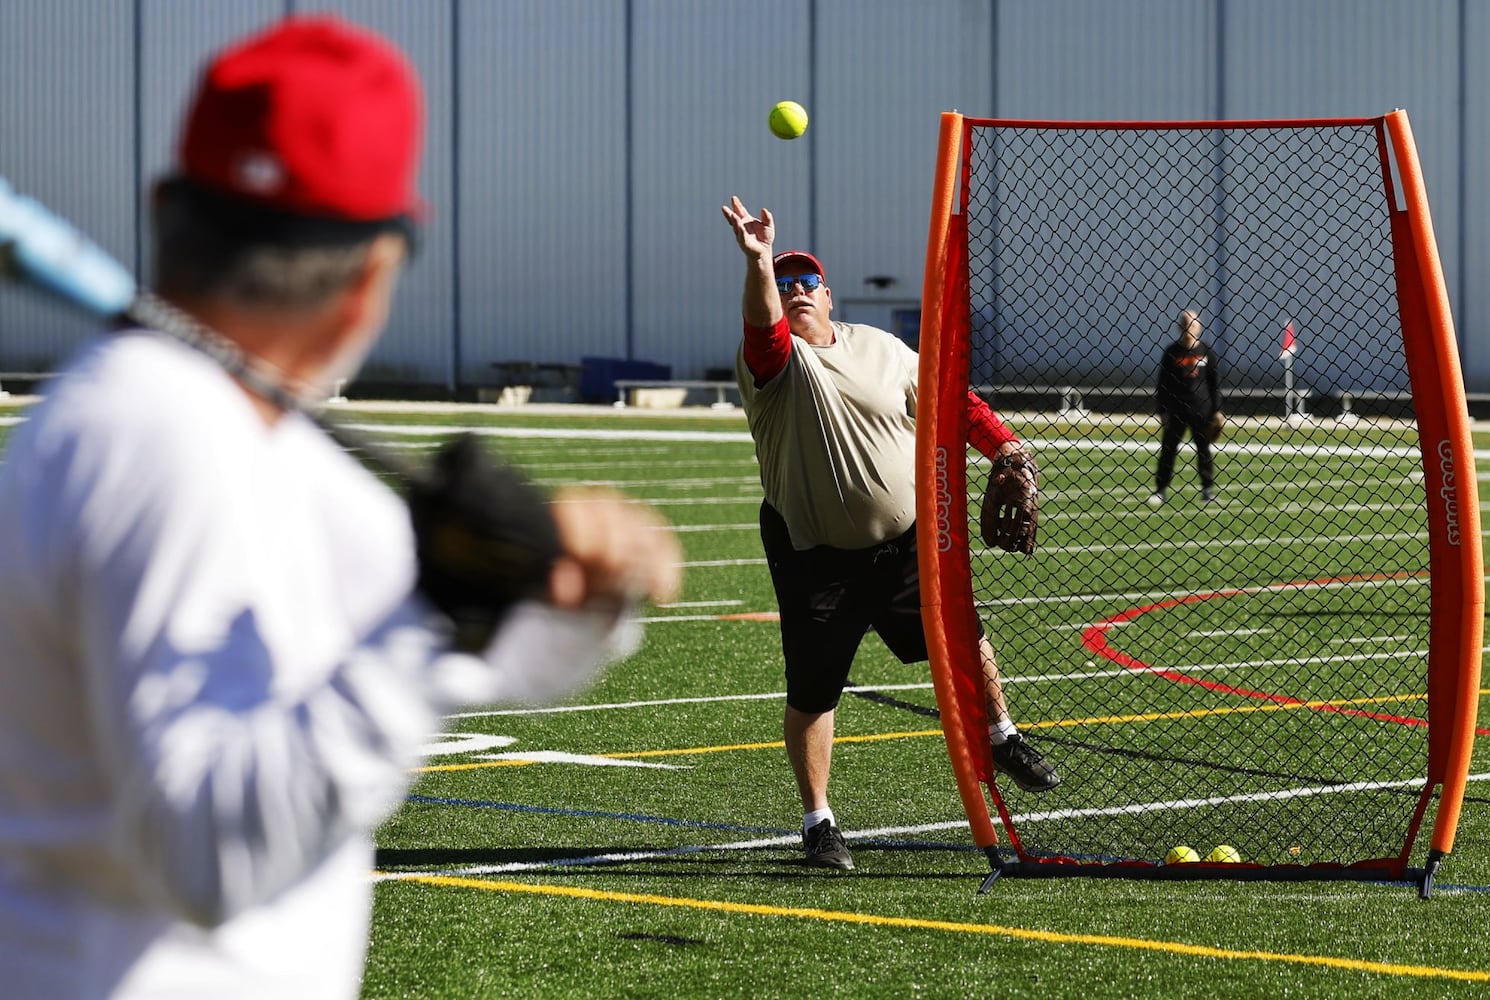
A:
x: 1138, y: 500
x: 743, y: 437
x: 883, y: 832
x: 702, y: 604
x: 1204, y: 543
x: 1213, y: 632
x: 751, y: 500
x: 1371, y: 638
x: 703, y: 700
x: 688, y: 618
x: 562, y: 433
x: 1135, y: 498
x: 1081, y: 675
x: 1132, y: 596
x: 635, y: 485
x: 639, y: 464
x: 1151, y: 595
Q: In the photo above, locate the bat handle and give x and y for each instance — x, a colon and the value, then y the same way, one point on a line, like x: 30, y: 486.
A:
x: 45, y: 249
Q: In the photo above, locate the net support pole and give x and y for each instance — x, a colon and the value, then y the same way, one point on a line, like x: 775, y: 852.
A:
x: 1456, y: 557
x: 928, y: 512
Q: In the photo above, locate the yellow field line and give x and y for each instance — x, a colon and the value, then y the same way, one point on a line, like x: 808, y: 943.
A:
x: 921, y: 733
x: 915, y: 923
x: 474, y: 765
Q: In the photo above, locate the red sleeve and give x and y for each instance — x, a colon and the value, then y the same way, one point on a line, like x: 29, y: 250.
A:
x: 985, y: 430
x: 767, y: 350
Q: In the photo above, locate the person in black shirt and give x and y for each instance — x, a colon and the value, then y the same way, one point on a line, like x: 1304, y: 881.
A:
x: 1189, y: 398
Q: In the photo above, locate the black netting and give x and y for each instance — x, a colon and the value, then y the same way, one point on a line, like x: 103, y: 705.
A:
x: 1247, y: 670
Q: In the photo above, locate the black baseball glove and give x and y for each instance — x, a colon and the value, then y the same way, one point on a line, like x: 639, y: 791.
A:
x: 1011, y: 503
x: 485, y: 539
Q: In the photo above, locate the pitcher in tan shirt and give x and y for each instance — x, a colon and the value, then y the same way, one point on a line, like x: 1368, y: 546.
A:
x: 831, y: 407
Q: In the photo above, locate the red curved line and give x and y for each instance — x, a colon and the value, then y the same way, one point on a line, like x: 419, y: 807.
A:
x: 1094, y: 639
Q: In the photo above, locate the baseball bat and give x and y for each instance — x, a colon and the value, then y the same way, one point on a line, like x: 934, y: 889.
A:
x: 42, y: 249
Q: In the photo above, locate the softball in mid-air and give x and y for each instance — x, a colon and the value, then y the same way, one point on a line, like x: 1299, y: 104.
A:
x: 788, y: 119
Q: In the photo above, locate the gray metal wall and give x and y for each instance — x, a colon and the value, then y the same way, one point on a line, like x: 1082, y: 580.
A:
x: 578, y: 150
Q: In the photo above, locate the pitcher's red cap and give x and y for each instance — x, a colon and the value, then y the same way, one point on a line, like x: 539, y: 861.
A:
x: 312, y: 117
x: 799, y: 255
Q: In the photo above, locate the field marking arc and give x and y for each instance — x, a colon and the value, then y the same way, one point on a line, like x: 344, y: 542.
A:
x: 1094, y: 640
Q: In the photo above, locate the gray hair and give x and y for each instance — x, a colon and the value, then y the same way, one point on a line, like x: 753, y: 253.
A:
x: 194, y: 258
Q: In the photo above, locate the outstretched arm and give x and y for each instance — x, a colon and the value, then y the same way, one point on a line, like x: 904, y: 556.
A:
x: 760, y: 306
x: 768, y: 341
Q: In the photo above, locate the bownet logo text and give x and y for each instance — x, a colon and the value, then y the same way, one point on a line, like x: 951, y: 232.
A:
x: 1448, y: 492
x: 943, y: 503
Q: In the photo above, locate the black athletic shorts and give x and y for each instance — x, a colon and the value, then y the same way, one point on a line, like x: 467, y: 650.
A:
x: 829, y: 598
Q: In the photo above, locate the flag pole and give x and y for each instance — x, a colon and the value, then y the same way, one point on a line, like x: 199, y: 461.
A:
x: 1293, y: 410
x: 1288, y: 385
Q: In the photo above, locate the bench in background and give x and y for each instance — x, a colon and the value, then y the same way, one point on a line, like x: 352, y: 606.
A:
x: 669, y: 393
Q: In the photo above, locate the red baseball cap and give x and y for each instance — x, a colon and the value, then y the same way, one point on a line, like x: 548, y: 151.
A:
x: 313, y: 117
x: 798, y: 256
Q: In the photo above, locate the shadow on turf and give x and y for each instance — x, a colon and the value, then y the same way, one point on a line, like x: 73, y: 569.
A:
x: 1045, y: 738
x: 436, y: 859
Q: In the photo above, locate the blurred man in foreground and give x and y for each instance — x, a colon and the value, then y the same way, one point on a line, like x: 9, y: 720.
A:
x: 224, y: 640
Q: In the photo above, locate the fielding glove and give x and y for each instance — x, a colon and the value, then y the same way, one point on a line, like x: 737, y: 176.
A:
x: 484, y: 536
x: 1011, y: 503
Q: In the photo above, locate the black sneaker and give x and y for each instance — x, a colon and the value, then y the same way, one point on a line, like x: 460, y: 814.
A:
x: 826, y: 848
x: 1024, y: 764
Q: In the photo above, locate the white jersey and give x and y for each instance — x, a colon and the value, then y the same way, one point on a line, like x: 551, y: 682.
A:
x: 213, y: 684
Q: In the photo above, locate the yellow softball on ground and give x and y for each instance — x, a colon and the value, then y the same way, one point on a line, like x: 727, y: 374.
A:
x: 1181, y: 854
x: 1224, y: 853
x: 788, y: 119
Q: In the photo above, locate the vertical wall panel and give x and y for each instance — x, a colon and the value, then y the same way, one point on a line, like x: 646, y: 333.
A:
x: 67, y: 139
x: 419, y: 344
x: 706, y: 76
x: 886, y: 72
x: 542, y: 142
x: 1099, y: 59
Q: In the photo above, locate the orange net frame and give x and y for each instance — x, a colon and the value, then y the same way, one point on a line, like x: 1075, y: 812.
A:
x: 1291, y: 670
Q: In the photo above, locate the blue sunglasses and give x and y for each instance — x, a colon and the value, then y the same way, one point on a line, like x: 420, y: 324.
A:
x: 809, y: 283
